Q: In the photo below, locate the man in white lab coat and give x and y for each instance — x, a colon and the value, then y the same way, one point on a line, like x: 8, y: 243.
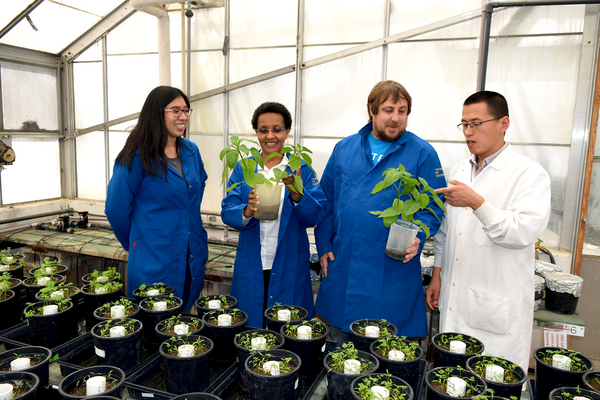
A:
x: 498, y: 204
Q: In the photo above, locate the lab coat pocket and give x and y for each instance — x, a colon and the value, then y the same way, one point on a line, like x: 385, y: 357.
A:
x: 488, y: 312
x: 481, y: 239
x: 152, y: 257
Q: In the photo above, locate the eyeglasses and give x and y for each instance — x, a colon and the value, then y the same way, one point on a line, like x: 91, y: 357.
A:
x: 277, y: 129
x: 177, y: 112
x: 463, y: 127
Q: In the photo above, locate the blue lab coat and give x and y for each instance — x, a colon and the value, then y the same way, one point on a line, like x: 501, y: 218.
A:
x: 290, y: 276
x: 155, y: 220
x: 363, y: 282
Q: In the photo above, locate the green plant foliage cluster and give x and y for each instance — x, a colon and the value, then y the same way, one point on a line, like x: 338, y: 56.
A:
x: 347, y: 352
x: 258, y: 359
x: 473, y: 345
x: 401, y: 343
x: 315, y: 325
x: 365, y: 386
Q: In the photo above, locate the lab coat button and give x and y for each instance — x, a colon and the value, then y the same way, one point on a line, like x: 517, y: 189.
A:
x: 450, y: 309
x: 271, y: 296
x: 273, y: 273
x: 457, y: 259
x: 191, y: 255
x: 190, y: 185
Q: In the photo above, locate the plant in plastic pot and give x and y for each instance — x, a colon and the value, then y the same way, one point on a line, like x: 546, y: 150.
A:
x: 51, y: 322
x: 343, y: 366
x: 273, y: 374
x: 365, y: 331
x: 400, y: 357
x: 49, y: 267
x: 118, y: 309
x: 18, y: 385
x: 57, y: 291
x: 10, y: 307
x: 117, y: 342
x: 185, y: 361
x: 221, y: 326
x: 278, y: 315
x: 444, y: 383
x: 307, y: 340
x: 12, y: 263
x: 451, y: 349
x: 92, y: 381
x: 179, y: 325
x: 573, y: 393
x: 213, y: 302
x: 504, y: 377
x: 417, y: 194
x: 155, y: 309
x: 562, y: 292
x: 591, y: 380
x: 32, y: 359
x: 34, y: 284
x: 556, y: 367
x: 110, y: 275
x: 153, y: 290
x: 379, y: 386
x: 96, y: 294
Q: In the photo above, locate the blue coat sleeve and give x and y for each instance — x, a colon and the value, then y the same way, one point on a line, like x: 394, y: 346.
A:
x: 232, y: 206
x: 324, y: 230
x: 309, y: 210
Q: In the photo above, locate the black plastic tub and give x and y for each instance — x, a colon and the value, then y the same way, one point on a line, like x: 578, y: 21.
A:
x: 548, y: 378
x: 432, y: 394
x: 224, y: 352
x: 363, y: 342
x: 122, y: 351
x: 338, y: 384
x: 91, y: 301
x: 267, y: 387
x: 41, y: 369
x: 150, y: 318
x: 409, y: 371
x: 52, y: 330
x: 446, y: 358
x: 569, y: 393
x: 22, y: 380
x: 275, y: 325
x: 507, y: 390
x: 77, y: 377
x: 590, y: 376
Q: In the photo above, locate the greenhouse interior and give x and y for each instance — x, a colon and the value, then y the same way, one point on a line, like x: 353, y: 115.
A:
x: 138, y: 139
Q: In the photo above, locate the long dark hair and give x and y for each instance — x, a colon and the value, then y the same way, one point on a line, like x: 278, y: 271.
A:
x: 150, y: 134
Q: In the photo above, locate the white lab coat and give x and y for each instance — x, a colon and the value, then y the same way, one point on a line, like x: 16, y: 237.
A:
x: 487, y: 256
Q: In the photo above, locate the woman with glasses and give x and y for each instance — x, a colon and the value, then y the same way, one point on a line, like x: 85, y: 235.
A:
x: 272, y: 264
x: 153, y: 199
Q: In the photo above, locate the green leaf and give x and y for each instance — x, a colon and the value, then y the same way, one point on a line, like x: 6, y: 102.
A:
x: 390, y: 212
x: 424, y: 183
x: 224, y: 177
x: 388, y: 221
x: 424, y: 199
x: 379, y: 187
x: 439, y: 203
x: 249, y: 176
x: 232, y: 186
x: 259, y: 179
x: 244, y: 149
x: 431, y: 210
x: 392, y: 176
x: 298, y: 184
x: 307, y: 159
x: 375, y: 212
x: 232, y: 158
x: 408, y: 188
x: 425, y: 229
x: 279, y: 174
x: 286, y: 149
x: 294, y: 163
x: 235, y: 139
x: 257, y: 156
x: 411, y: 207
x: 272, y: 155
x: 54, y: 358
x: 223, y: 152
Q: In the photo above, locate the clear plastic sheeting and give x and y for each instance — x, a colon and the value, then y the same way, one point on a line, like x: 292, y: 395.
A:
x: 210, y: 65
x: 207, y: 25
x: 538, y: 20
x: 246, y: 64
x: 207, y: 116
x: 91, y: 172
x: 137, y: 34
x: 88, y: 89
x: 263, y: 22
x: 564, y: 283
x: 592, y: 227
x: 210, y: 147
x: 410, y: 14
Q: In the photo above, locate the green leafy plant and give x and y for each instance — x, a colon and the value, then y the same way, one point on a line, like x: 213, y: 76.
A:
x: 172, y: 345
x: 473, y: 345
x: 5, y: 284
x: 577, y: 363
x: 237, y: 316
x: 63, y: 304
x: 143, y: 289
x: 245, y: 339
x: 258, y: 360
x: 442, y: 375
x: 104, y: 287
x: 128, y: 324
x: 294, y: 311
x: 315, y: 325
x: 171, y: 301
x: 65, y: 288
x: 364, y: 388
x: 385, y: 345
x: 383, y: 326
x: 419, y: 195
x: 109, y: 274
x: 204, y: 301
x: 485, y: 361
x: 104, y: 310
x: 168, y: 325
x: 18, y: 259
x: 347, y: 352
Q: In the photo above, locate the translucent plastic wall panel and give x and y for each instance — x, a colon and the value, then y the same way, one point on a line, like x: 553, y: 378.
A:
x: 10, y: 9
x: 208, y: 28
x: 343, y: 21
x: 137, y: 34
x: 245, y: 64
x: 312, y: 52
x: 335, y: 94
x: 322, y: 149
x: 87, y: 85
x: 35, y: 174
x: 210, y: 147
x: 538, y: 77
x: 592, y: 229
x: 207, y: 71
x: 243, y: 102
x: 28, y: 97
x: 91, y: 176
x: 538, y: 20
x: 410, y: 14
x: 207, y: 116
x: 263, y: 23
x: 439, y: 76
x: 118, y: 134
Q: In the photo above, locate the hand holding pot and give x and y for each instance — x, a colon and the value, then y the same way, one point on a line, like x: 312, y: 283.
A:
x: 412, y: 250
x: 289, y: 181
x: 250, y: 209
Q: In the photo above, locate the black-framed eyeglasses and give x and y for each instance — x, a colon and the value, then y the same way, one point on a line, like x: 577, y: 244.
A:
x: 177, y: 112
x: 463, y: 127
x: 264, y: 130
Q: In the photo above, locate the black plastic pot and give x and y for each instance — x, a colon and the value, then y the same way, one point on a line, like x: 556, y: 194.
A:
x: 433, y: 394
x: 186, y: 374
x: 123, y: 351
x: 338, y: 383
x: 51, y: 330
x: 150, y: 318
x: 561, y: 393
x: 31, y: 287
x: 22, y: 379
x: 86, y: 279
x: 10, y: 309
x: 588, y: 377
x: 77, y: 377
x: 222, y: 337
x: 16, y: 285
x: 446, y: 358
x: 200, y: 311
x: 243, y: 353
x: 135, y: 314
x: 41, y: 369
x: 74, y: 297
x: 184, y: 319
x: 91, y: 301
x: 310, y: 351
x: 138, y: 297
x: 15, y: 270
x: 267, y: 387
x: 548, y: 378
x: 362, y: 342
x: 273, y: 324
x: 408, y: 371
x: 60, y: 270
x: 501, y: 389
x: 197, y: 396
x: 375, y: 378
x: 561, y: 303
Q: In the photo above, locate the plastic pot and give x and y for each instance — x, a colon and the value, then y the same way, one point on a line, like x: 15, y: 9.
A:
x: 273, y: 324
x: 71, y: 381
x: 150, y: 318
x: 558, y: 394
x: 400, y: 238
x: 562, y: 292
x: 501, y: 389
x: 405, y: 390
x: 59, y: 269
x: 165, y: 289
x: 135, y: 314
x: 338, y: 383
x: 433, y: 392
x: 91, y: 301
x: 224, y: 352
x: 16, y: 285
x: 51, y: 330
x: 41, y: 369
x: 408, y: 371
x: 123, y: 351
x: 160, y: 327
x: 197, y: 396
x: 270, y: 197
x: 363, y: 342
x: 267, y: 387
x: 311, y: 351
x: 446, y: 358
x: 15, y: 269
x: 10, y: 310
x: 202, y: 308
x: 186, y: 374
x: 590, y: 382
x: 87, y: 278
x: 22, y: 379
x: 31, y: 287
x: 74, y: 296
x: 548, y: 378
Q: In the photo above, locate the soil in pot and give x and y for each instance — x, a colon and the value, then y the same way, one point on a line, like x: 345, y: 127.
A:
x: 117, y: 343
x: 343, y: 366
x: 110, y: 275
x: 24, y: 384
x: 123, y: 308
x: 185, y: 361
x: 51, y: 323
x: 549, y: 377
x: 222, y: 330
x: 365, y: 331
x: 74, y: 386
x: 12, y: 263
x: 273, y: 374
x: 38, y: 363
x: 307, y: 340
x: 97, y: 294
x: 179, y: 325
x: 400, y: 357
x: 451, y: 349
x: 209, y: 303
x: 504, y: 377
x: 154, y: 310
x: 570, y: 393
x: 156, y: 289
x: 379, y: 385
x: 276, y: 315
x: 32, y: 286
x: 591, y: 380
x: 442, y: 383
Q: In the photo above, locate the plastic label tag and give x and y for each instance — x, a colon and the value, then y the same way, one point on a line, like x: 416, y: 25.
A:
x: 296, y: 385
x: 100, y: 352
x: 323, y: 348
x: 147, y: 395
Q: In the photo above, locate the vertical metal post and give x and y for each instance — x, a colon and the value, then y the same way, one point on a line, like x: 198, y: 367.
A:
x: 299, y: 65
x: 105, y: 104
x: 226, y: 81
x: 386, y: 33
x: 484, y: 45
x: 189, y: 14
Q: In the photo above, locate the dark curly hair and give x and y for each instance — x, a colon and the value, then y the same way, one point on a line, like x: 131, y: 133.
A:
x: 272, y: 107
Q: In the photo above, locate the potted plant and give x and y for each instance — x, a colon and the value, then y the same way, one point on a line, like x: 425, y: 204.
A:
x: 417, y: 194
x: 273, y: 374
x: 365, y: 331
x: 179, y: 325
x: 9, y: 302
x: 50, y: 322
x: 49, y: 267
x: 504, y: 377
x: 269, y: 190
x: 117, y: 342
x: 278, y: 315
x: 105, y: 276
x: 208, y: 303
x: 591, y: 380
x: 37, y: 282
x: 155, y: 309
x: 451, y: 349
x: 221, y: 326
x: 400, y: 357
x: 556, y: 367
x: 32, y: 359
x: 307, y: 340
x: 343, y: 366
x: 446, y: 383
x: 376, y: 386
x: 57, y: 291
x: 12, y: 263
x: 572, y: 393
x: 18, y: 385
x: 121, y: 308
x: 185, y: 361
x: 96, y: 294
x: 101, y: 379
x: 155, y: 289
